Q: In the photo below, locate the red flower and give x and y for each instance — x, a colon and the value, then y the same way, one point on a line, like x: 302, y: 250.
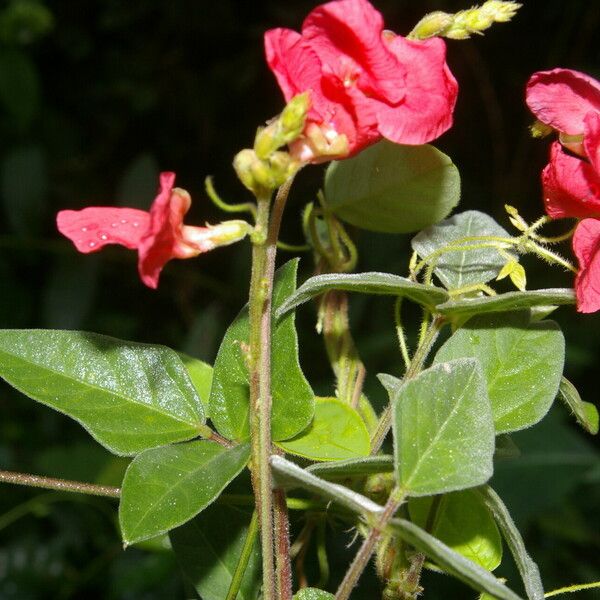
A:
x: 571, y: 186
x: 365, y: 83
x: 586, y: 243
x: 158, y: 235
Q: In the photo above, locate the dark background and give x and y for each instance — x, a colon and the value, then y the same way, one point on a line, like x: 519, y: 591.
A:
x: 95, y: 98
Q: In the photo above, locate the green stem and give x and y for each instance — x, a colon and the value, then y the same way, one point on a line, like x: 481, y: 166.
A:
x: 63, y: 485
x: 573, y: 588
x: 224, y: 206
x: 365, y: 552
x: 416, y: 364
x: 549, y: 255
x: 400, y: 332
x: 240, y: 569
x: 264, y: 241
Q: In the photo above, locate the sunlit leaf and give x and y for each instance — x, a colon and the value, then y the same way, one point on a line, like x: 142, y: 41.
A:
x: 165, y: 487
x: 443, y: 429
x: 337, y: 432
x: 129, y: 396
x: 522, y: 364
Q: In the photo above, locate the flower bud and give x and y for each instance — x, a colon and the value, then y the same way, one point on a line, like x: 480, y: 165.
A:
x: 432, y: 24
x: 242, y: 163
x: 261, y: 176
x: 293, y: 116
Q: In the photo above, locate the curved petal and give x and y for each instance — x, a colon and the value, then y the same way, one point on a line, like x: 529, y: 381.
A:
x: 431, y: 92
x: 562, y: 98
x: 94, y: 227
x: 296, y: 67
x: 347, y: 37
x: 571, y: 186
x: 160, y: 243
x: 586, y: 244
x: 591, y: 138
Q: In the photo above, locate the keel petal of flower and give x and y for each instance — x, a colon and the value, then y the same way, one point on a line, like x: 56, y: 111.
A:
x: 586, y: 244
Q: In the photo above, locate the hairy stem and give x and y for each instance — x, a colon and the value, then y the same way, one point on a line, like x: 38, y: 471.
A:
x: 368, y: 546
x: 416, y: 364
x: 261, y: 291
x: 63, y: 485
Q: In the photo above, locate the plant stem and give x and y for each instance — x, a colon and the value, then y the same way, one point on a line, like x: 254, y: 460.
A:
x: 416, y: 364
x: 63, y: 485
x: 282, y: 546
x: 368, y: 546
x: 573, y: 588
x: 240, y: 569
x: 259, y: 358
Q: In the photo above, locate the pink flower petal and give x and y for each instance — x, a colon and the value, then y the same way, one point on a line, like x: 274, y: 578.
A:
x: 93, y: 228
x: 562, y: 98
x: 347, y: 37
x: 571, y: 186
x: 591, y: 140
x: 430, y: 94
x: 159, y: 244
x: 586, y: 244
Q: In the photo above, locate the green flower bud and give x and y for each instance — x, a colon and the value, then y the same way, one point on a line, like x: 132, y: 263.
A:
x: 432, y: 24
x: 293, y: 116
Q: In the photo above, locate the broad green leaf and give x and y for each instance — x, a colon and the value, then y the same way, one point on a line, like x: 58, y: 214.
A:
x: 462, y: 522
x: 19, y: 86
x: 522, y: 363
x: 443, y: 429
x: 355, y: 467
x: 585, y: 412
x: 293, y: 398
x: 166, y: 487
x: 461, y: 268
x: 393, y: 188
x: 24, y: 186
x: 507, y: 302
x: 337, y: 432
x: 452, y: 562
x: 366, y: 283
x: 129, y: 396
x: 526, y: 565
x: 208, y: 548
x: 313, y: 594
x: 201, y: 375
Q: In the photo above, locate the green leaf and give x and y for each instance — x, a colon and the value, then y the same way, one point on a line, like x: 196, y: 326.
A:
x: 337, y: 432
x: 24, y: 185
x: 313, y: 594
x: 165, y: 487
x: 366, y: 283
x: 208, y: 548
x: 443, y: 429
x: 19, y: 86
x: 461, y: 268
x: 522, y: 363
x: 585, y: 412
x: 129, y: 396
x: 463, y: 523
x: 507, y: 302
x: 526, y: 565
x: 293, y: 398
x: 201, y: 375
x: 452, y: 562
x: 393, y: 188
x: 355, y: 467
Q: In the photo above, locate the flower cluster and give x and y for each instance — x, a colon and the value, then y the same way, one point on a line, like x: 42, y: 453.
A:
x: 569, y: 102
x: 158, y: 235
x: 365, y: 83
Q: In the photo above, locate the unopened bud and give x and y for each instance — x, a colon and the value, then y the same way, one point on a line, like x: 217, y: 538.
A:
x: 293, y: 116
x: 242, y: 163
x: 261, y: 176
x: 229, y: 232
x: 463, y: 24
x: 284, y: 129
x: 432, y: 24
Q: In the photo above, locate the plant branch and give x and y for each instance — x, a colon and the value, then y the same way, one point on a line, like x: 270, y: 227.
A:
x: 62, y: 485
x: 240, y: 569
x: 414, y: 368
x: 368, y: 546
